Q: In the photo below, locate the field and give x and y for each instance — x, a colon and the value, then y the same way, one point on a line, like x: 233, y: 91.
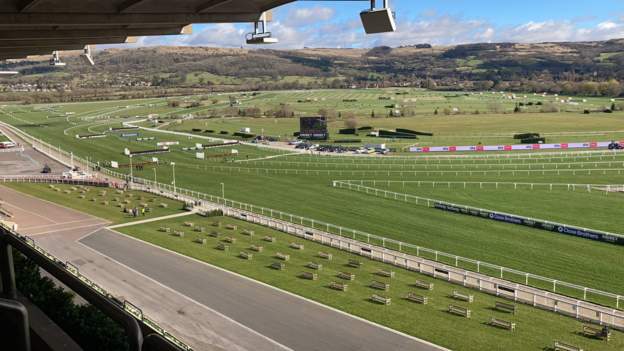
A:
x: 536, y: 328
x: 3, y: 137
x: 560, y: 187
x: 488, y: 119
x: 108, y: 203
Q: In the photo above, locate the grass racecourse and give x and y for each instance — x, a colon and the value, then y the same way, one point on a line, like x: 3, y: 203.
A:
x: 301, y: 184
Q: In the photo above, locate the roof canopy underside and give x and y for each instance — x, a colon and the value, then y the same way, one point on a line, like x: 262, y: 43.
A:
x: 36, y: 27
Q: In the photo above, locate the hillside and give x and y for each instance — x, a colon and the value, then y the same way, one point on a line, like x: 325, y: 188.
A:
x: 572, y: 68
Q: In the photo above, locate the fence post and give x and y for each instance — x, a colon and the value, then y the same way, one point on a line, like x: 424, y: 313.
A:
x: 554, y: 285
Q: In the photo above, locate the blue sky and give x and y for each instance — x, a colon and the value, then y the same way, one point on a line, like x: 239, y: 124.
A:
x: 439, y: 22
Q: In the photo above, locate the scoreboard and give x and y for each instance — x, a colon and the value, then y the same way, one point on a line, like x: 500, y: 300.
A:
x: 313, y: 128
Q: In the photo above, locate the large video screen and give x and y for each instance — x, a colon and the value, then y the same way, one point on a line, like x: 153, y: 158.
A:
x: 313, y: 128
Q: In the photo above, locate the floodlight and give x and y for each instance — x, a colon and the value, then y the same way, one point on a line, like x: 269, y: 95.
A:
x: 264, y: 38
x: 86, y: 55
x: 56, y: 60
x: 261, y: 34
x: 378, y: 20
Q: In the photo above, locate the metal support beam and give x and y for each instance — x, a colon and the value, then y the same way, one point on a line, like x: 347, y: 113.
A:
x: 15, y: 323
x: 27, y: 5
x: 211, y: 4
x: 7, y: 271
x: 92, y: 34
x: 47, y: 50
x: 128, y: 5
x: 60, y: 43
x: 274, y: 4
x: 87, y: 20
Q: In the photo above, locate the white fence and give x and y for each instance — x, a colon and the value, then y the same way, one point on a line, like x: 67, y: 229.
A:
x: 429, y: 202
x: 529, y: 279
x: 499, y: 287
x: 511, y: 155
x: 607, y: 188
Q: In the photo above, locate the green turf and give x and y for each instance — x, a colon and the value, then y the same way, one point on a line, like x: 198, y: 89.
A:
x: 536, y: 329
x: 301, y: 184
x: 112, y: 211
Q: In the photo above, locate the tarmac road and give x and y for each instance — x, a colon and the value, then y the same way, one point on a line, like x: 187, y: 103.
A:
x: 289, y: 320
x: 28, y: 162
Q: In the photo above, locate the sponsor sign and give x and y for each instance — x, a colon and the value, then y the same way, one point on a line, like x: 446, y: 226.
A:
x: 514, y: 147
x: 529, y: 222
x: 114, y: 164
x: 200, y: 155
x: 129, y: 135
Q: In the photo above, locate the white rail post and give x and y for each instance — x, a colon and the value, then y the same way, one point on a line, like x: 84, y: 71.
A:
x: 554, y: 285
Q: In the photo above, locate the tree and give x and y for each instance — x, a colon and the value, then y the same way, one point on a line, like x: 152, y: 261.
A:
x: 351, y: 122
x: 327, y: 113
x: 612, y: 88
x: 430, y: 84
x: 284, y: 111
x: 484, y: 85
x: 87, y: 325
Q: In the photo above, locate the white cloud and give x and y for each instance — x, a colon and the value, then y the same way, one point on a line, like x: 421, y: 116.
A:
x: 318, y: 27
x: 607, y: 25
x: 307, y: 16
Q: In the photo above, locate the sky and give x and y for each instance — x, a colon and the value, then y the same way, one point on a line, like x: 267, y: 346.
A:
x: 336, y: 24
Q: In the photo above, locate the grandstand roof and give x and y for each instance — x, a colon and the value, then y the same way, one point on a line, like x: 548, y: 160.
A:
x: 37, y: 27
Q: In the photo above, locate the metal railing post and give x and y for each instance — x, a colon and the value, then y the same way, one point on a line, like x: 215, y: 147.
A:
x: 7, y: 271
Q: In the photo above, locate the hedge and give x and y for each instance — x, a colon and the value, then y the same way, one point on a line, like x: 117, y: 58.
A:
x: 244, y: 135
x: 526, y: 135
x: 209, y: 131
x: 224, y: 132
x: 346, y: 131
x: 365, y: 128
x: 84, y: 323
x: 389, y: 133
x: 196, y: 130
x: 296, y: 134
x: 534, y: 140
x: 409, y: 131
